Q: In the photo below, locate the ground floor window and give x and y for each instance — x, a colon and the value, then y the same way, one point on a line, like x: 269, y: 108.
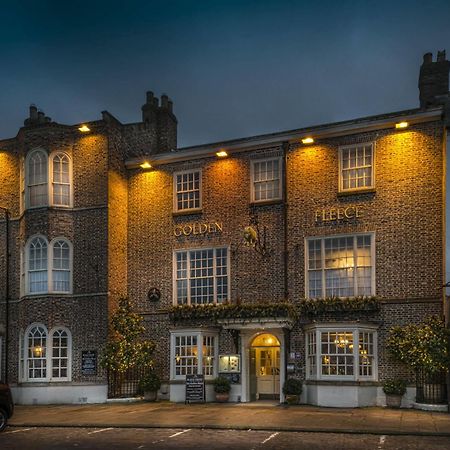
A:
x: 193, y: 352
x: 44, y: 355
x: 345, y: 352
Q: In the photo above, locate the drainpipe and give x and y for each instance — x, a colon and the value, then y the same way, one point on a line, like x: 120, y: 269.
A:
x: 6, y: 211
x: 287, y: 332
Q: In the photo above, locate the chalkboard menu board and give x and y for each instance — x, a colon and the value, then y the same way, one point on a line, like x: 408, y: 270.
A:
x: 89, y: 362
x: 195, y: 388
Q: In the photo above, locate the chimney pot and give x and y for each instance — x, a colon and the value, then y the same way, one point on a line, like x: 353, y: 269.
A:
x: 428, y: 58
x: 164, y: 101
x: 150, y: 97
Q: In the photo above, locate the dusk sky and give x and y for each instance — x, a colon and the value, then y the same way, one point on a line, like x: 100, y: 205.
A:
x: 232, y: 68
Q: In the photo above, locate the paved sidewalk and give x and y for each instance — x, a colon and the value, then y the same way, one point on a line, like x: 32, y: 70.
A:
x: 255, y: 416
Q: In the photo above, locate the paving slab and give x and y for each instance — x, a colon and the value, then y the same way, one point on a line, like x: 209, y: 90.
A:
x: 238, y: 416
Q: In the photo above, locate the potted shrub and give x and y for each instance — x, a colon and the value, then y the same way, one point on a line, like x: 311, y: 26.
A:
x: 424, y: 348
x: 394, y: 389
x: 292, y: 390
x: 222, y: 387
x: 149, y: 385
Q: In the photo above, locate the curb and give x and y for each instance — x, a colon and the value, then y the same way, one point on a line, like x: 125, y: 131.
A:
x: 237, y: 428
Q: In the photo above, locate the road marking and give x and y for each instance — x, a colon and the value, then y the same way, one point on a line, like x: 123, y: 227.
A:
x: 18, y: 431
x: 382, y: 441
x: 269, y: 438
x: 99, y: 431
x: 180, y: 432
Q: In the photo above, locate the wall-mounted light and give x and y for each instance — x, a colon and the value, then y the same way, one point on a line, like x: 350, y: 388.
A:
x: 222, y: 154
x: 401, y: 125
x: 307, y: 140
x: 84, y: 128
x: 146, y: 165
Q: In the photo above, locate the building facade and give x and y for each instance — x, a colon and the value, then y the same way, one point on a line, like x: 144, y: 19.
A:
x: 282, y: 255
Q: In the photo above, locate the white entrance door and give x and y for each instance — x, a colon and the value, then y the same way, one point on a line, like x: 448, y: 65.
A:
x: 268, y: 370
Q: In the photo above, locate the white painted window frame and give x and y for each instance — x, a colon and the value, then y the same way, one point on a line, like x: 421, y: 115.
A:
x: 26, y: 256
x: 356, y: 329
x: 252, y: 179
x: 175, y: 191
x: 355, y: 280
x: 174, y: 274
x: 52, y: 182
x: 341, y: 178
x: 23, y: 355
x: 199, y: 334
x: 25, y: 189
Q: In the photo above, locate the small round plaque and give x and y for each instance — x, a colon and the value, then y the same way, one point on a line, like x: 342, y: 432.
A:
x: 154, y: 294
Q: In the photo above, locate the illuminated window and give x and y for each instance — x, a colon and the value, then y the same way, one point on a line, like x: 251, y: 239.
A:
x: 188, y: 190
x: 201, y: 276
x: 342, y: 352
x: 266, y: 180
x: 356, y: 167
x: 340, y: 266
x: 45, y: 356
x: 47, y: 267
x: 194, y: 352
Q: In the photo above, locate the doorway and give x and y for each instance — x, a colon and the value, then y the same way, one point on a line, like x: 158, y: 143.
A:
x: 265, y: 367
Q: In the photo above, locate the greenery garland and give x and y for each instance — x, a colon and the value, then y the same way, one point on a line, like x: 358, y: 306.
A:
x: 274, y: 310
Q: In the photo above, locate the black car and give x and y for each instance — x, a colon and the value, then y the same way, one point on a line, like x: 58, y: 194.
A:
x: 6, y: 405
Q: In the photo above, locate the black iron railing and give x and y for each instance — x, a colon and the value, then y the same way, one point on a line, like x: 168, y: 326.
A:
x: 431, y: 387
x: 125, y: 384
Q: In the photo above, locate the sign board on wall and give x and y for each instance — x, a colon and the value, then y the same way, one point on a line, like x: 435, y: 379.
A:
x: 89, y: 362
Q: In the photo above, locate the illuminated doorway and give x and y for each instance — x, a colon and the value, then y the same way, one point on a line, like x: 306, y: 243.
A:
x: 265, y: 367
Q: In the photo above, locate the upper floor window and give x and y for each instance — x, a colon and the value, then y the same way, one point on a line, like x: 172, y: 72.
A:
x: 37, y: 179
x: 60, y: 179
x: 45, y: 356
x: 266, y: 180
x: 201, y: 276
x: 340, y: 266
x: 187, y: 190
x: 47, y: 180
x: 356, y: 167
x: 48, y: 266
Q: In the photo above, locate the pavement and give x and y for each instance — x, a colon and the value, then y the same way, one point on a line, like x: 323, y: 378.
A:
x: 238, y: 416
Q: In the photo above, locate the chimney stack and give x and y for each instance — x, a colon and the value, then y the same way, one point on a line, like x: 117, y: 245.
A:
x: 36, y: 117
x: 433, y: 80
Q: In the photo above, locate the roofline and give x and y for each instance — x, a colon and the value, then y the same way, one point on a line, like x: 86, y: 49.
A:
x: 336, y: 129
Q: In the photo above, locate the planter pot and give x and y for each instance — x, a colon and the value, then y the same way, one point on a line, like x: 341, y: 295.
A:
x: 150, y: 396
x: 393, y: 400
x: 291, y: 399
x: 223, y: 397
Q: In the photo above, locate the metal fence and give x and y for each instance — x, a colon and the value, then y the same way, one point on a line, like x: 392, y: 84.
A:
x: 125, y: 384
x: 431, y: 387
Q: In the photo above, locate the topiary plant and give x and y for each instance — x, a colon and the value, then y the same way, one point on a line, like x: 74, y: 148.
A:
x: 394, y: 387
x: 222, y: 385
x: 292, y: 386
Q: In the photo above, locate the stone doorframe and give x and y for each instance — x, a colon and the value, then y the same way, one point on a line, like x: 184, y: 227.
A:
x: 248, y: 331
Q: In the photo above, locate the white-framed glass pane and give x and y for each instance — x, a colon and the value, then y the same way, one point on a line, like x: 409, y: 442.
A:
x: 366, y: 353
x: 340, y: 266
x: 266, y: 180
x: 201, y: 276
x: 208, y: 352
x: 186, y: 355
x: 337, y: 353
x: 60, y: 354
x: 37, y: 179
x: 37, y: 266
x: 357, y: 167
x: 187, y: 188
x: 61, y: 180
x: 37, y: 353
x: 61, y: 266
